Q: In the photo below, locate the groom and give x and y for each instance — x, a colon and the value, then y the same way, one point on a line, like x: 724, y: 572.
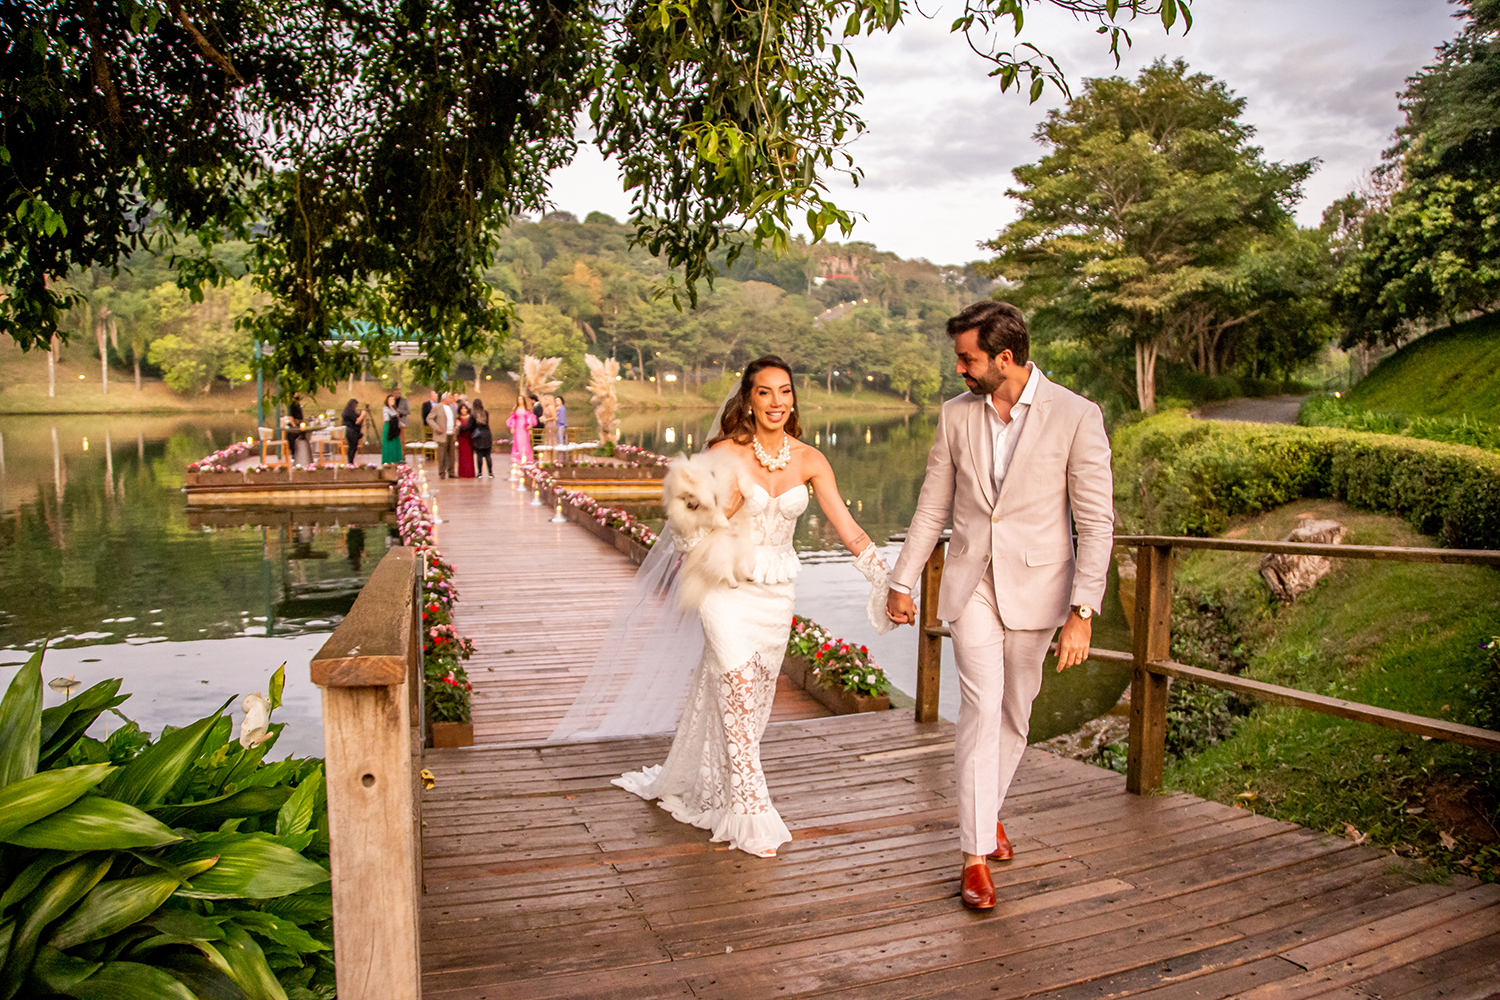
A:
x: 1019, y: 463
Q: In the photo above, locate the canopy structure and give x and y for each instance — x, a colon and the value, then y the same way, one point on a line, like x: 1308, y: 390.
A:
x: 402, y: 346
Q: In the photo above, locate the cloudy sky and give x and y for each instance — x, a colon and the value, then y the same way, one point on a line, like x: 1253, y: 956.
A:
x: 1320, y: 78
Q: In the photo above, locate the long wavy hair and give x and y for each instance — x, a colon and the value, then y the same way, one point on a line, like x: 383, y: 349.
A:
x: 738, y: 424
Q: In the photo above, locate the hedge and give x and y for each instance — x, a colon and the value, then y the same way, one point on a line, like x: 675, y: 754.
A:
x: 1179, y: 476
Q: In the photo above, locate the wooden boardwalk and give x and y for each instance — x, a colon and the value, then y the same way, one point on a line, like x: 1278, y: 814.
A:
x: 536, y: 598
x: 542, y: 880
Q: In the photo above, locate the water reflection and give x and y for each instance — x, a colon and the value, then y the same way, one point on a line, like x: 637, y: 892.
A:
x: 100, y: 559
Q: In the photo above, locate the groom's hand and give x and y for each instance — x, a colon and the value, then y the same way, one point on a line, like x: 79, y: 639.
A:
x: 899, y: 608
x: 1073, y: 643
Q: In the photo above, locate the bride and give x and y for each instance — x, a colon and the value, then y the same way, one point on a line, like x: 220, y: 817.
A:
x: 712, y: 776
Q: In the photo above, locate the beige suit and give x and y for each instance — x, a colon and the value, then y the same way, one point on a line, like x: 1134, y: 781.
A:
x: 1011, y: 572
x: 442, y: 435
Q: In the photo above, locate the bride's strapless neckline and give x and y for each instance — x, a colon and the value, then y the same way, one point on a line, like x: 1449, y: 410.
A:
x: 778, y: 496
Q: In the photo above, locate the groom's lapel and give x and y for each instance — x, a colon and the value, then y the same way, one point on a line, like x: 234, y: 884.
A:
x: 1031, y: 432
x: 982, y: 447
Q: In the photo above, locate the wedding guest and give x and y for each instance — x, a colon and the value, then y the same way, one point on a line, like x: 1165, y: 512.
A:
x: 354, y: 428
x: 482, y: 440
x: 390, y: 422
x: 520, y: 422
x: 549, y: 421
x: 296, y: 436
x: 465, y: 428
x: 443, y: 421
x: 536, y: 409
x: 427, y: 406
x: 561, y: 420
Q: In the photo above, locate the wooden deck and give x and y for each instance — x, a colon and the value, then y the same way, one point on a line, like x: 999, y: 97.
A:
x: 536, y: 598
x: 543, y: 880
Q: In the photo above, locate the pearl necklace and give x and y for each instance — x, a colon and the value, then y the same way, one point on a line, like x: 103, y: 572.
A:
x: 782, y: 458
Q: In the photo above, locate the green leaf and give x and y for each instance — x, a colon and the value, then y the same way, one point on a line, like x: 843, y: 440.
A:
x: 250, y: 867
x: 296, y: 815
x: 94, y: 823
x: 278, y: 681
x: 61, y: 890
x: 31, y: 876
x: 7, y: 931
x: 248, y: 965
x: 147, y: 779
x: 62, y: 724
x: 30, y: 799
x: 304, y: 908
x: 113, y: 906
x: 203, y: 971
x: 131, y: 981
x: 279, y: 930
x: 21, y: 723
x: 211, y: 812
x: 59, y: 972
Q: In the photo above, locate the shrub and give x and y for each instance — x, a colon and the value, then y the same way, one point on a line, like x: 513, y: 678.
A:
x: 1331, y: 411
x: 179, y: 867
x: 1179, y: 476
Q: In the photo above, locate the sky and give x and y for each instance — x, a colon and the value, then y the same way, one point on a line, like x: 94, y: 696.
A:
x: 1320, y: 78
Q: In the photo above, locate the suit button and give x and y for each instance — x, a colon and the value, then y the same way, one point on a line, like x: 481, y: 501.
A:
x: 986, y: 557
x: 995, y: 519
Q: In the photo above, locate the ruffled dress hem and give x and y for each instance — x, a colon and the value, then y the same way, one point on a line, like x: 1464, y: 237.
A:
x: 759, y: 835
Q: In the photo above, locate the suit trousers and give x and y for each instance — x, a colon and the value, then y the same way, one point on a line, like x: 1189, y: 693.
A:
x: 999, y: 675
x: 447, y: 457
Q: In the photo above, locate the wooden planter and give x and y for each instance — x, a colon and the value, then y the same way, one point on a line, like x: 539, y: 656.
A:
x: 214, y: 479
x: 314, y: 476
x: 450, y: 734
x: 360, y: 474
x: 796, y: 670
x: 836, y: 700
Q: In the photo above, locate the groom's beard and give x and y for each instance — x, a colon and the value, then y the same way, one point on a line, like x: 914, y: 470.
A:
x: 985, y: 384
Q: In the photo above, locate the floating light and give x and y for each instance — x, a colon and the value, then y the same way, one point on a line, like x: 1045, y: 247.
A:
x: 557, y: 515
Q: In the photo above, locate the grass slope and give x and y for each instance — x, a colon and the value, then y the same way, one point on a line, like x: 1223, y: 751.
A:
x: 1400, y: 635
x: 1449, y: 373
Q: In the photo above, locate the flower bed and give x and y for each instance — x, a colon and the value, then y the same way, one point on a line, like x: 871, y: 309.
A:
x: 222, y: 460
x: 617, y: 519
x: 837, y: 672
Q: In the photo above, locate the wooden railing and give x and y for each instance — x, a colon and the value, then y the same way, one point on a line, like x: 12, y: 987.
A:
x: 370, y: 673
x: 1151, y: 657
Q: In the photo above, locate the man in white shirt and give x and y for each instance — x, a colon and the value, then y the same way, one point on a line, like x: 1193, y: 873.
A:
x: 442, y: 419
x: 1018, y: 463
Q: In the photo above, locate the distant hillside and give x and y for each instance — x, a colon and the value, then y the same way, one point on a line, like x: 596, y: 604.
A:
x: 1450, y: 373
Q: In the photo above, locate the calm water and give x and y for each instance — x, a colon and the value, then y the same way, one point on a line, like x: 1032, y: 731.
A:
x: 879, y: 462
x: 100, y: 560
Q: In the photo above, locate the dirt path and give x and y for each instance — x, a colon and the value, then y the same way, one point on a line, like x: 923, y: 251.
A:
x: 1274, y: 410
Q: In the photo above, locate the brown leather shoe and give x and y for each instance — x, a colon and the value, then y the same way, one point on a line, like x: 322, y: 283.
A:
x: 978, y: 891
x: 1002, y: 851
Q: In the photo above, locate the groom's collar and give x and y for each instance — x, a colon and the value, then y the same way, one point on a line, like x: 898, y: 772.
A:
x: 1028, y: 394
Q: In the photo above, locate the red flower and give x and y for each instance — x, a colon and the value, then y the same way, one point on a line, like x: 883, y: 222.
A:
x: 864, y: 649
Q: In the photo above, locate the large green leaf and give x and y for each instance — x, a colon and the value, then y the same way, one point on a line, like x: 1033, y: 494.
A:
x: 250, y: 867
x: 113, y: 906
x: 278, y: 930
x: 248, y: 964
x: 7, y: 931
x: 94, y: 823
x: 204, y: 972
x: 211, y: 812
x: 60, y: 891
x: 30, y: 799
x: 64, y: 723
x: 21, y: 723
x: 31, y: 876
x: 59, y: 972
x: 147, y: 779
x: 296, y: 815
x: 131, y: 981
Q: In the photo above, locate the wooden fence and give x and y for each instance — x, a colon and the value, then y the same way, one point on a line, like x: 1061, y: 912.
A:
x: 370, y: 673
x: 1151, y: 657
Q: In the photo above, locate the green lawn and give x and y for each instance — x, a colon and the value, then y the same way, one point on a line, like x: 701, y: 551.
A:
x: 1399, y: 635
x: 1449, y: 373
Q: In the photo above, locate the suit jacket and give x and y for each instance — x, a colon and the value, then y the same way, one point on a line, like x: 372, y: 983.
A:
x: 1059, y: 477
x: 437, y: 419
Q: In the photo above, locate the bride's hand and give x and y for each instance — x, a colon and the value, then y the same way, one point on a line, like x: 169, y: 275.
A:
x: 899, y: 608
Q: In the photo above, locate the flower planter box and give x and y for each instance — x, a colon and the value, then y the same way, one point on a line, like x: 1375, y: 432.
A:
x: 638, y: 552
x: 215, y: 479
x: 796, y: 670
x: 360, y: 474
x: 450, y: 734
x: 314, y: 476
x: 841, y: 702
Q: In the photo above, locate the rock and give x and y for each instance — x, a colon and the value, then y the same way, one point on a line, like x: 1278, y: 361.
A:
x: 1085, y: 742
x: 1291, y: 575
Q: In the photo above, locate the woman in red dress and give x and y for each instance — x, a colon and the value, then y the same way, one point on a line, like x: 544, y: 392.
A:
x: 465, y: 443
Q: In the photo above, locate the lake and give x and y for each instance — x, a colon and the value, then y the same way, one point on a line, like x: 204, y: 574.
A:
x: 100, y: 559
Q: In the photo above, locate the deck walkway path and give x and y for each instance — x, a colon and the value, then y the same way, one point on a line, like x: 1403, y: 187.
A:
x: 544, y: 881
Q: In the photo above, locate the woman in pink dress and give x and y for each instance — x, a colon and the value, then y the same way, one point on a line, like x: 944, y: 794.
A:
x: 520, y: 422
x: 465, y: 427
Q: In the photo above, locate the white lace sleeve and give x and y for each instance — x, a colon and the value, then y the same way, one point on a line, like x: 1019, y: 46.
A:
x: 873, y: 567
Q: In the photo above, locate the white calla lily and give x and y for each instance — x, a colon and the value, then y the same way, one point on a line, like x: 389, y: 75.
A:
x: 256, y: 725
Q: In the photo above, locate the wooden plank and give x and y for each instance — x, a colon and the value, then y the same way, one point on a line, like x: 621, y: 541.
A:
x: 1146, y: 755
x: 371, y: 645
x: 1419, y: 725
x: 929, y: 643
x: 1387, y: 553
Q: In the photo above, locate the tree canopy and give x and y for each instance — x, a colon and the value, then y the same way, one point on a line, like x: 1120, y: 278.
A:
x: 1153, y: 221
x: 371, y: 154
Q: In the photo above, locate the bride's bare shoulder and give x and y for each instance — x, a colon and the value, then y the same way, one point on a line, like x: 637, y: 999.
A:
x: 811, y: 460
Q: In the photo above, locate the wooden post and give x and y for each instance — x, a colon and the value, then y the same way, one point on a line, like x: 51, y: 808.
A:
x: 930, y: 645
x: 1148, y: 691
x: 363, y: 670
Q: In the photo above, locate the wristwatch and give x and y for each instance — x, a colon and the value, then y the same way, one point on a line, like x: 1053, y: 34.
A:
x: 1083, y: 611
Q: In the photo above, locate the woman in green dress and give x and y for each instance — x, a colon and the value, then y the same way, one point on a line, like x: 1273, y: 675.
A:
x: 390, y: 427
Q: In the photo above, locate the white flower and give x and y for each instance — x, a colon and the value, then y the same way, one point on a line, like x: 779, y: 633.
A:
x: 869, y: 678
x: 254, y: 728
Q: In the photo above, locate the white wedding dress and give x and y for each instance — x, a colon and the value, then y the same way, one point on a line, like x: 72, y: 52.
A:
x: 712, y: 777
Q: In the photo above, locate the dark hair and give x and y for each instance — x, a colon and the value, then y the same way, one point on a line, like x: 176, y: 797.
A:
x: 351, y: 409
x: 560, y: 399
x: 1001, y: 328
x: 534, y: 398
x: 738, y: 424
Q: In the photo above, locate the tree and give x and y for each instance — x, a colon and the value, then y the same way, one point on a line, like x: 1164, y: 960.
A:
x: 1137, y: 223
x: 200, y: 342
x: 373, y: 154
x: 1422, y: 244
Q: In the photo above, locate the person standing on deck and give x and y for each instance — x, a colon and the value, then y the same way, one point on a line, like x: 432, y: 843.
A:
x: 443, y: 422
x: 1018, y: 463
x: 481, y: 439
x: 520, y: 423
x: 390, y: 426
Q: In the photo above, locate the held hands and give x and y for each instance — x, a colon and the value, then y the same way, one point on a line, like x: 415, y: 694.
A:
x: 900, y: 609
x: 1073, y: 643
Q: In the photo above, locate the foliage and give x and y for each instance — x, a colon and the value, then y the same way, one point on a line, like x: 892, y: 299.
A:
x: 1330, y: 411
x: 1153, y: 221
x: 836, y: 663
x: 182, y: 866
x: 198, y: 344
x: 372, y: 153
x: 1457, y: 369
x: 1176, y: 475
x: 1423, y: 243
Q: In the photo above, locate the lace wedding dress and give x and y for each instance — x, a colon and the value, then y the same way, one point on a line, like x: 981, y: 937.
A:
x: 712, y: 777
